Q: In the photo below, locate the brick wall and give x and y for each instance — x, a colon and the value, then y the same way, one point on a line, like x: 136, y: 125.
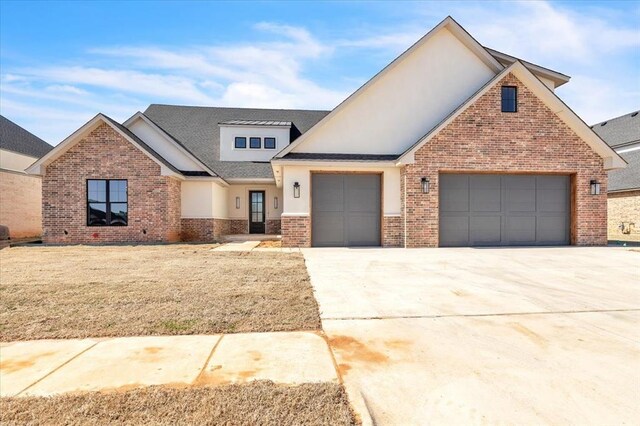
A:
x: 21, y: 204
x: 239, y: 226
x: 483, y: 139
x: 204, y: 230
x: 296, y: 231
x: 624, y: 208
x: 273, y: 226
x: 392, y: 231
x: 154, y: 200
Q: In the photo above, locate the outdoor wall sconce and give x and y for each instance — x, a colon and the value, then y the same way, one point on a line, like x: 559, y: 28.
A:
x: 595, y: 187
x: 275, y: 203
x: 237, y: 202
x: 296, y: 190
x: 425, y: 185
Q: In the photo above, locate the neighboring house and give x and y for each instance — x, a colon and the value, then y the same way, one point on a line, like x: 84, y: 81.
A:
x: 452, y: 144
x: 20, y: 193
x: 623, y: 193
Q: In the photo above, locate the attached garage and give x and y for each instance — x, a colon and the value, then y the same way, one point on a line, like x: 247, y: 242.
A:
x: 345, y: 209
x: 504, y: 210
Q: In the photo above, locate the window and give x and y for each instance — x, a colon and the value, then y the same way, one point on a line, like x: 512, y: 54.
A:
x: 509, y: 99
x: 270, y: 143
x: 107, y: 203
x: 255, y: 143
x: 240, y: 143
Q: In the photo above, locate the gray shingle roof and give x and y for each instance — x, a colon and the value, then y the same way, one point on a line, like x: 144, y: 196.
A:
x: 15, y: 138
x: 198, y: 130
x: 619, y: 131
x: 629, y: 177
x: 339, y: 157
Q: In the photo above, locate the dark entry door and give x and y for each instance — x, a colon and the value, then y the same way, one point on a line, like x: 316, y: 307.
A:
x: 345, y: 210
x: 504, y: 210
x: 256, y: 212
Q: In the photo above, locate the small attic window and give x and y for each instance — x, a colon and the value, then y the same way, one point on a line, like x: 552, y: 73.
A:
x: 509, y: 99
x: 240, y: 142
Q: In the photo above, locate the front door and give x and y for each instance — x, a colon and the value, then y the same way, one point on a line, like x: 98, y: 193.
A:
x: 256, y: 212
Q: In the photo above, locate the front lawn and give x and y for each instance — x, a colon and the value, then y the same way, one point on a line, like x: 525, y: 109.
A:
x: 263, y: 403
x: 88, y: 291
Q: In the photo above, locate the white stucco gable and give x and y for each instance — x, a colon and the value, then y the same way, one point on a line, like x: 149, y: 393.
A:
x: 162, y: 143
x: 406, y: 99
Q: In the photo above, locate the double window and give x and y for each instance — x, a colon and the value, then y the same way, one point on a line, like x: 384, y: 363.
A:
x: 255, y: 142
x: 509, y: 99
x: 107, y: 202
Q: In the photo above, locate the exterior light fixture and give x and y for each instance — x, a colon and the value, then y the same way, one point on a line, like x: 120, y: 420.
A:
x: 237, y: 202
x: 296, y: 190
x: 275, y: 203
x: 595, y: 187
x: 425, y: 185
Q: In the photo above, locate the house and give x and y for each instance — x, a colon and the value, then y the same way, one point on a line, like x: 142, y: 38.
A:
x: 20, y: 193
x: 452, y: 144
x: 623, y: 193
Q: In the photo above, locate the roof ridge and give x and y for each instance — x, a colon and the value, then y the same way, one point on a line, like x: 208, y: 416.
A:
x: 629, y: 114
x: 239, y: 108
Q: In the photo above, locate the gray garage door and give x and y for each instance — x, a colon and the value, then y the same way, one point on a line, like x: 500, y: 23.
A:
x: 504, y: 210
x: 345, y: 210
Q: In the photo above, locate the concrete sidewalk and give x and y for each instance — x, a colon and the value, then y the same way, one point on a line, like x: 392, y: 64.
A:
x: 48, y: 367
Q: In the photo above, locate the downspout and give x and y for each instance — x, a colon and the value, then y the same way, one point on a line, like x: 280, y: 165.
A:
x: 404, y: 210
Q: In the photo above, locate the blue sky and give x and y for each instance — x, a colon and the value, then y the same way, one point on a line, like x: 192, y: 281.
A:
x: 62, y: 62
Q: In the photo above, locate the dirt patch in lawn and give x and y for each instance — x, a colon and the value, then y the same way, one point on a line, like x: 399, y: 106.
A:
x: 85, y: 291
x: 253, y: 403
x: 270, y: 244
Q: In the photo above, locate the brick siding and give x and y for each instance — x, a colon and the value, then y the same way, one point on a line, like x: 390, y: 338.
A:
x: 483, y: 139
x: 273, y: 226
x: 239, y: 226
x: 154, y: 200
x: 21, y: 204
x: 296, y: 231
x: 624, y: 208
x: 392, y: 231
x: 204, y: 230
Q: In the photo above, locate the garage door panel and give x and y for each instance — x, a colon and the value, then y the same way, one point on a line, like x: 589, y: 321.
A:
x: 362, y: 190
x: 360, y: 227
x: 552, y: 230
x: 332, y: 226
x: 485, y: 193
x: 454, y: 231
x: 330, y: 194
x: 456, y: 198
x: 521, y: 229
x: 504, y: 210
x: 485, y: 230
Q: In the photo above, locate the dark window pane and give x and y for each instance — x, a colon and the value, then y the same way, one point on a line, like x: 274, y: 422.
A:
x: 97, y: 190
x: 509, y: 99
x: 119, y: 214
x: 241, y: 142
x: 97, y: 214
x: 270, y: 143
x: 118, y: 191
x: 255, y: 143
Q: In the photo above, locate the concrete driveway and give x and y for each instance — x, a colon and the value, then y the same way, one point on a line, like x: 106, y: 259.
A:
x: 450, y: 336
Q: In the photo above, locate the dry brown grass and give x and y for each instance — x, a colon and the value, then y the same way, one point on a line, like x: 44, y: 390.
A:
x: 253, y: 403
x: 87, y: 291
x: 270, y: 244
